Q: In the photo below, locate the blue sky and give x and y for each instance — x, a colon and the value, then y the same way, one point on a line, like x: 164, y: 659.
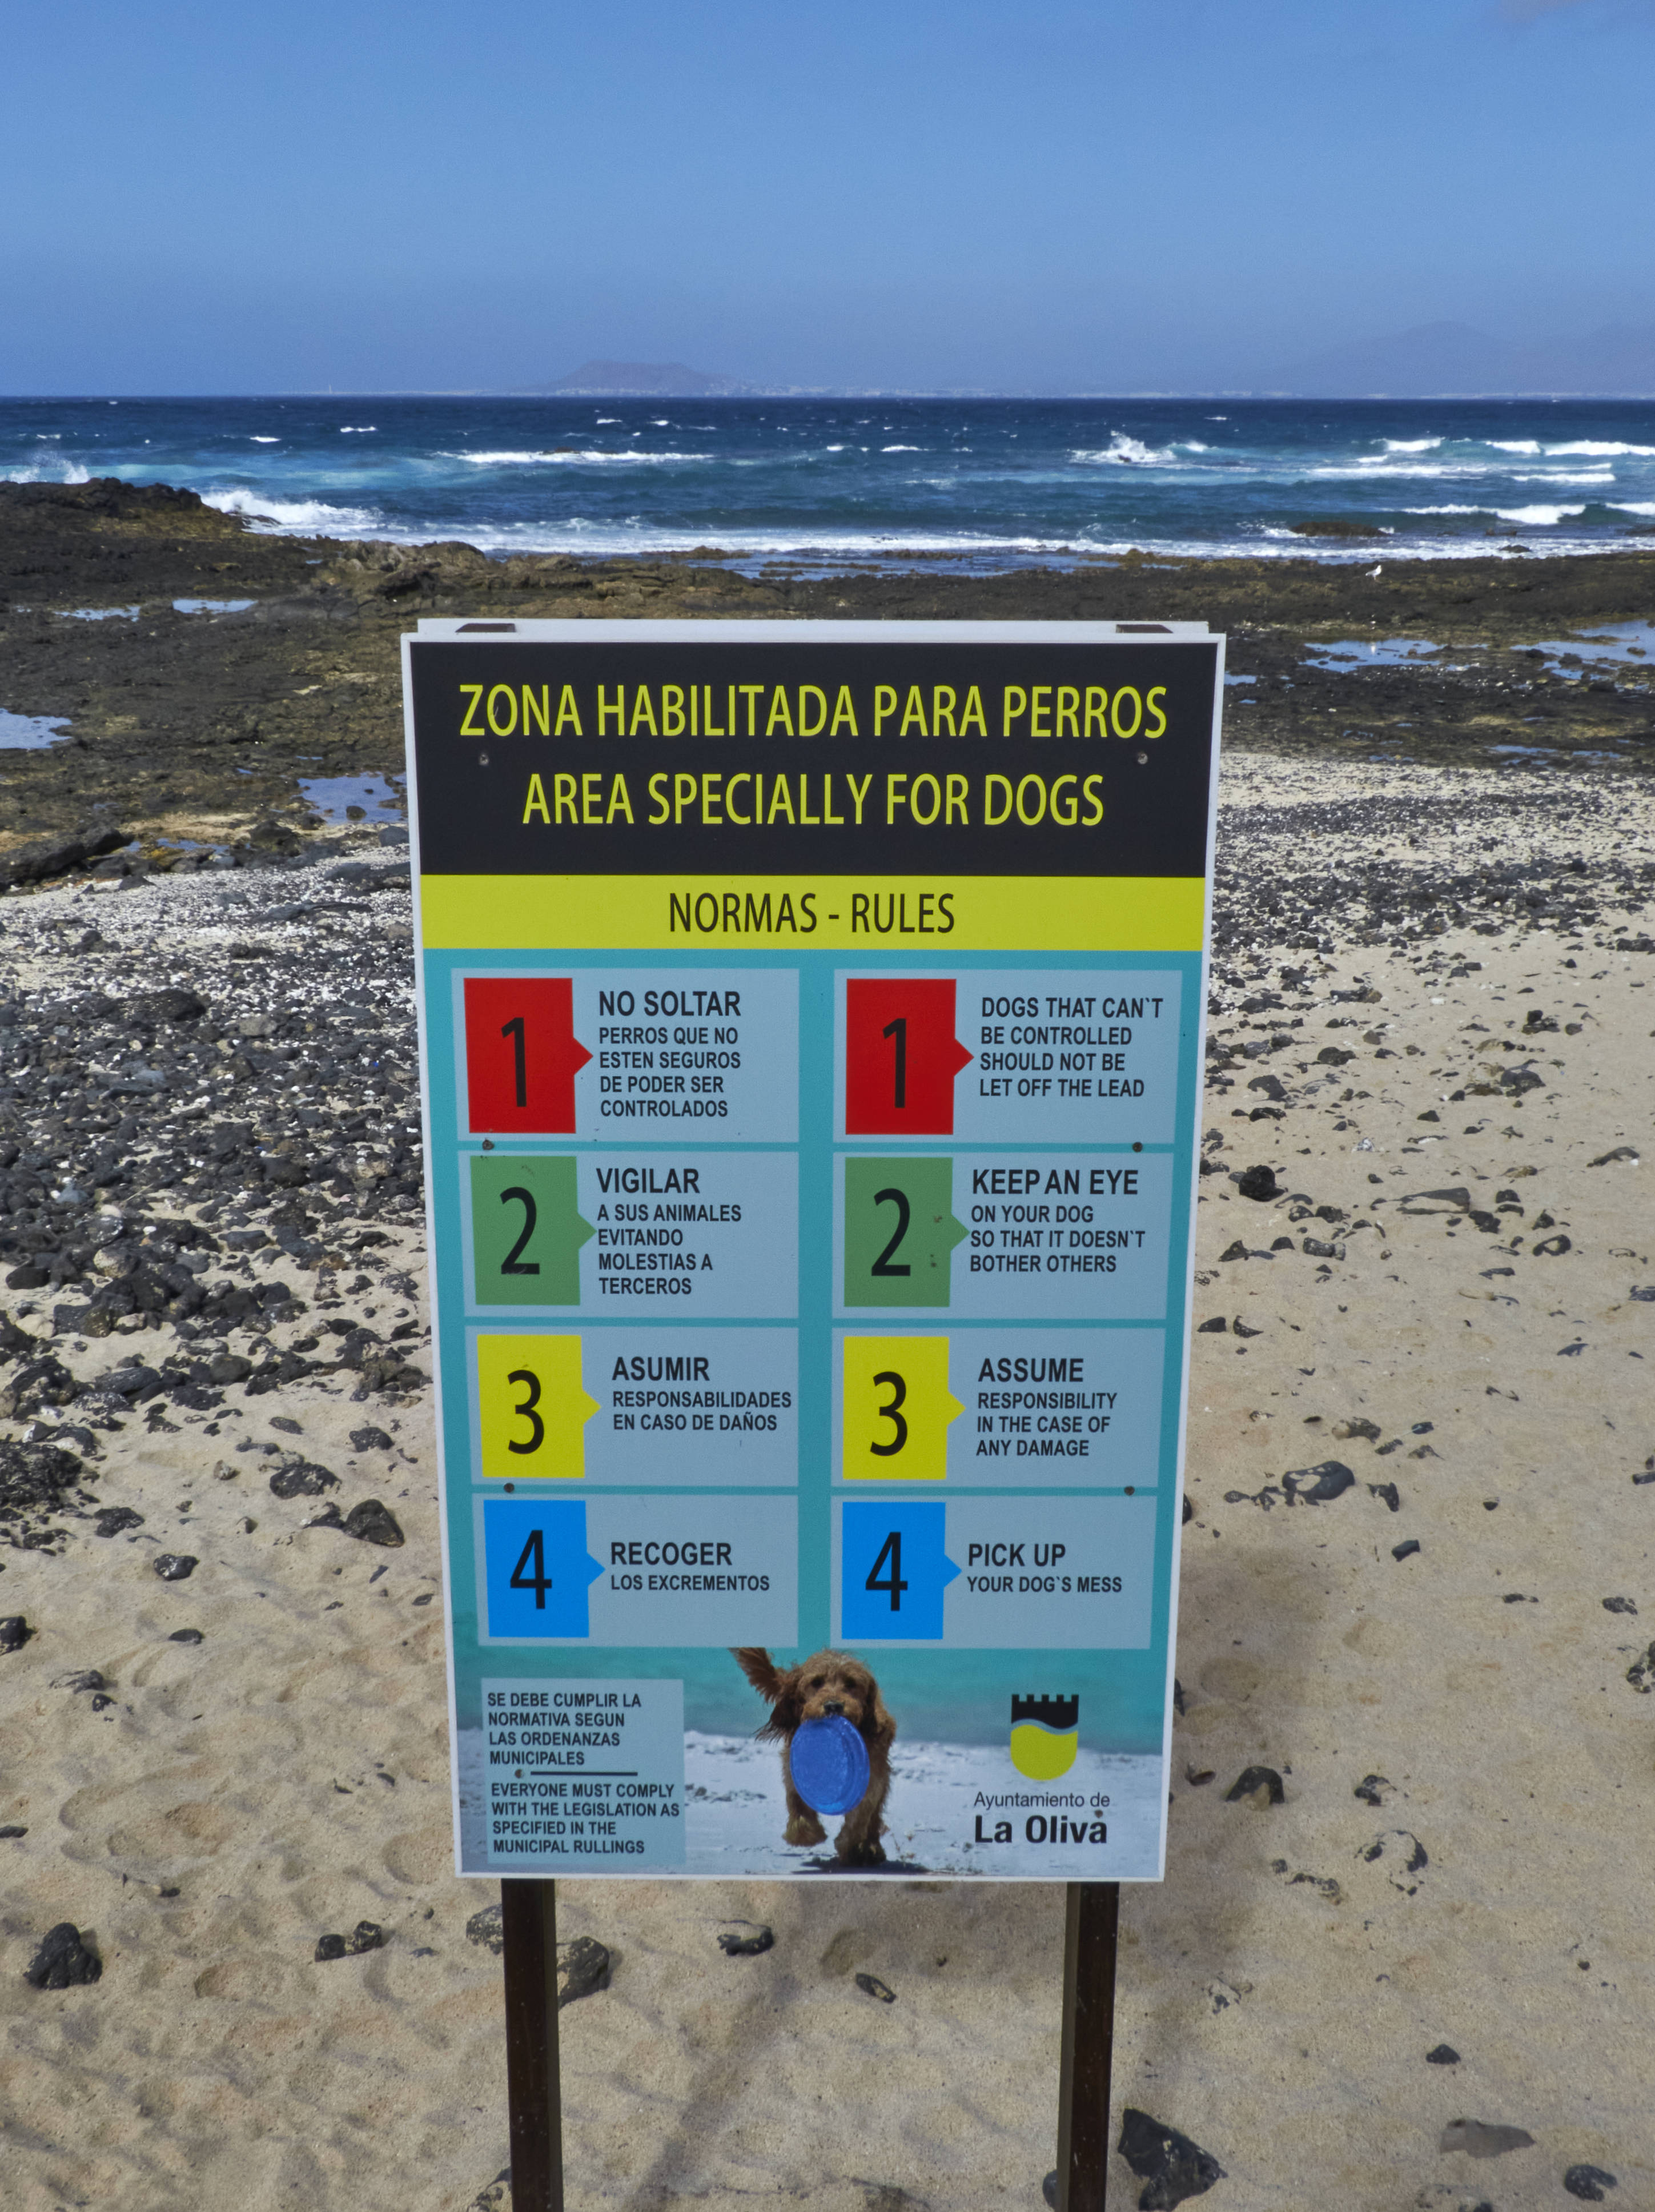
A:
x: 197, y: 197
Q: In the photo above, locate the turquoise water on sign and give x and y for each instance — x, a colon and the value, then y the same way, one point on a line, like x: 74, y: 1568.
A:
x: 982, y: 482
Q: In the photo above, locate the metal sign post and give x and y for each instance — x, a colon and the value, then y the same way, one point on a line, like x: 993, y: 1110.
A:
x: 811, y: 1019
x: 1091, y: 1922
x: 534, y: 2096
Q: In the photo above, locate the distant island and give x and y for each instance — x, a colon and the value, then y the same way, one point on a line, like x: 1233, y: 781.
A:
x: 644, y: 379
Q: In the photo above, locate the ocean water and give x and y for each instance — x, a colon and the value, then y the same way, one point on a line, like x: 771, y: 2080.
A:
x: 987, y: 483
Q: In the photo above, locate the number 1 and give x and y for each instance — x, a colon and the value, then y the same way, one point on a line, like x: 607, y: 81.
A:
x: 898, y: 1029
x: 513, y: 1029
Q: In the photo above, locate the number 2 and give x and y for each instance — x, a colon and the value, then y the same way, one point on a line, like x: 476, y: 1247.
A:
x: 898, y: 1198
x: 513, y: 1264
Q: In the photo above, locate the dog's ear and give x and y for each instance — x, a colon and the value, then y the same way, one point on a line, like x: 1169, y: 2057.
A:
x: 757, y: 1666
x: 789, y: 1701
x: 878, y: 1725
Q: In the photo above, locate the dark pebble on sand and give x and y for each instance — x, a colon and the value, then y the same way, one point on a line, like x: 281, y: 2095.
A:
x: 1406, y: 1549
x: 1259, y: 1184
x: 114, y: 1520
x: 186, y: 1636
x: 371, y: 1522
x: 11, y: 1832
x: 582, y: 1967
x: 363, y: 1440
x: 14, y: 1631
x: 1444, y: 2055
x: 1389, y: 1492
x: 367, y: 1935
x: 301, y: 1477
x: 1588, y: 2181
x: 328, y: 1947
x: 1319, y: 1485
x: 176, y: 1566
x: 1171, y: 2165
x: 1369, y: 1787
x: 1483, y: 2138
x: 734, y: 1946
x: 86, y: 1678
x: 1252, y: 1779
x: 1215, y: 1326
x: 871, y: 1986
x: 487, y: 1929
x: 1619, y: 1605
x: 63, y: 1960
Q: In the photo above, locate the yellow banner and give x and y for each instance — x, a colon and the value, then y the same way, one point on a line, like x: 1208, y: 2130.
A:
x: 838, y: 914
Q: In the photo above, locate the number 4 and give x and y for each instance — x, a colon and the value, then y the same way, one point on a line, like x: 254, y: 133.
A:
x: 533, y: 1554
x: 892, y: 1550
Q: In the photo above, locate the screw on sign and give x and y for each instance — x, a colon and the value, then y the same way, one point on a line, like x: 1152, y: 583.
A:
x: 522, y: 1055
x: 901, y: 1056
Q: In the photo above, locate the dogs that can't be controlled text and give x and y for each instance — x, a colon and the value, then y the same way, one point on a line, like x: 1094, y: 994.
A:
x: 828, y: 1685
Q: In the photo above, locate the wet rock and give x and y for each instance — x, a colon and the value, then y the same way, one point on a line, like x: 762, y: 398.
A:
x: 1589, y: 2183
x: 370, y: 1439
x: 301, y: 1477
x: 115, y: 1520
x: 1319, y: 1485
x: 735, y: 1945
x: 1253, y: 1780
x: 1483, y: 2138
x: 487, y: 1929
x: 64, y: 1961
x: 1171, y: 2166
x: 14, y: 1631
x: 328, y: 1947
x: 871, y: 1986
x: 371, y: 1522
x: 1444, y: 2055
x: 1259, y: 1184
x: 582, y: 1966
x: 176, y: 1566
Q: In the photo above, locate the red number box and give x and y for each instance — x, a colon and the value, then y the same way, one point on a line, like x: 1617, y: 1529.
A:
x: 521, y: 1054
x: 901, y: 1056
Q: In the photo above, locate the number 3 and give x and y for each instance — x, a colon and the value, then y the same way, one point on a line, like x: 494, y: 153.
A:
x: 899, y: 1396
x: 525, y: 1410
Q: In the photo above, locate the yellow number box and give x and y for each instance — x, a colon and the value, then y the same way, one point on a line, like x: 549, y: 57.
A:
x: 897, y: 1409
x: 532, y: 1406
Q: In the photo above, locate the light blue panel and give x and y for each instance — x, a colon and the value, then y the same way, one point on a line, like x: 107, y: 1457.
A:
x: 584, y: 1776
x: 691, y: 1054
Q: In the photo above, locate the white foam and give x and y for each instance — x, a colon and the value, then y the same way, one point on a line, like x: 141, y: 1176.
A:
x: 899, y: 449
x: 613, y: 420
x: 1633, y: 506
x: 582, y: 457
x: 1608, y: 449
x: 357, y: 429
x: 50, y: 471
x: 1123, y: 452
x: 302, y: 517
x: 1412, y: 445
x: 1513, y: 445
x: 257, y: 440
x: 1545, y: 516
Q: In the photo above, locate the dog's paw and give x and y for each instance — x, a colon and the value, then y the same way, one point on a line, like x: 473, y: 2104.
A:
x: 869, y: 1853
x: 805, y: 1828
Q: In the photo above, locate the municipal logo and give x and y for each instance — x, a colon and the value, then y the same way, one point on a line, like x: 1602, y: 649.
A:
x: 1045, y: 1736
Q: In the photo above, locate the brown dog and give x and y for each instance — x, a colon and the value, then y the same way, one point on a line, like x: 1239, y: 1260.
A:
x: 828, y: 1683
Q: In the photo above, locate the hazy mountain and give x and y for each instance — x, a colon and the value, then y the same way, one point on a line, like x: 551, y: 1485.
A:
x: 1444, y: 359
x: 644, y: 380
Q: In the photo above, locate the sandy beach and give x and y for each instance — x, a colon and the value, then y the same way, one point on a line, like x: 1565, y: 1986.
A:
x: 1429, y: 1021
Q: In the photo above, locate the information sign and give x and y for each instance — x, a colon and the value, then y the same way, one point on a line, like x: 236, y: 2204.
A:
x: 811, y: 1020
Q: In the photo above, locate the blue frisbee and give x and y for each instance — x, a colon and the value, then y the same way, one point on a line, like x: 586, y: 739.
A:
x: 829, y: 1764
